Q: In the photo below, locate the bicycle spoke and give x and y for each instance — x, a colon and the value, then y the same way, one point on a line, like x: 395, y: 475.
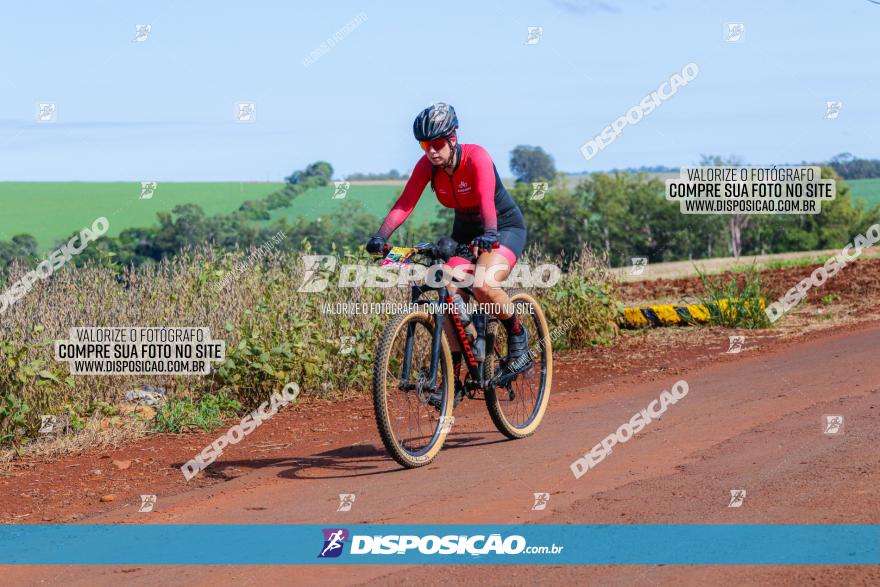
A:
x: 519, y: 401
x: 414, y: 419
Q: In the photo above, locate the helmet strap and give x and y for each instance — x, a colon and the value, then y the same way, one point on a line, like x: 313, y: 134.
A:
x: 453, y: 155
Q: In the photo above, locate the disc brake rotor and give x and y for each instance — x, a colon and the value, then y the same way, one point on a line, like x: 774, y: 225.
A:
x: 423, y: 391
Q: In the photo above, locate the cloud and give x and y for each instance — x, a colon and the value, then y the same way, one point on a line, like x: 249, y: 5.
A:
x: 586, y: 6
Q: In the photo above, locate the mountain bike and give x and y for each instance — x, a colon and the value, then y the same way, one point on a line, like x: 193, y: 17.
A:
x: 414, y: 388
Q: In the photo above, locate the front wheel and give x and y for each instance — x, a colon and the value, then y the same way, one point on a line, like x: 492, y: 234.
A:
x: 412, y: 425
x: 518, y: 408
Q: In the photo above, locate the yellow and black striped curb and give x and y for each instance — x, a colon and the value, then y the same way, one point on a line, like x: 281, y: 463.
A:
x: 664, y: 315
x: 672, y: 315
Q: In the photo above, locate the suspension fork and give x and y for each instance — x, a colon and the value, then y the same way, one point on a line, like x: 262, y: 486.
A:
x: 436, y: 342
x: 407, y: 353
x: 473, y: 366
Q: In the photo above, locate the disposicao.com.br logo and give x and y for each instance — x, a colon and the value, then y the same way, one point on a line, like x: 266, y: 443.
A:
x: 479, y: 544
x: 334, y: 539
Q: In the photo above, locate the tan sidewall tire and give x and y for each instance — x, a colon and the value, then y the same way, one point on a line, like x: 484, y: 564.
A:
x: 394, y: 329
x: 492, y: 403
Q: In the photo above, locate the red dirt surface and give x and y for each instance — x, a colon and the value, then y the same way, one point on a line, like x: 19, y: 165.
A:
x: 751, y: 421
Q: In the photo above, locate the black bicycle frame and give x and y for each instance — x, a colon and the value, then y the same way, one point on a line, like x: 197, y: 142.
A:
x: 474, y: 368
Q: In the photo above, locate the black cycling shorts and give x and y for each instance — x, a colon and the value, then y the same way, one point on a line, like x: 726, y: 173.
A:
x: 511, y: 237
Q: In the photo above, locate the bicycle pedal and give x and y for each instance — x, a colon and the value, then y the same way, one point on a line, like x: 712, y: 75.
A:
x: 506, y: 376
x: 521, y: 368
x: 460, y: 394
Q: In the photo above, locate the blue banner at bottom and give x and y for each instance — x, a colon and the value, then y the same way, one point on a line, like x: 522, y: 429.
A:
x: 685, y: 544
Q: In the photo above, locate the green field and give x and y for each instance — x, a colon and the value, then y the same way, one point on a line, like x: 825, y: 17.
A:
x: 377, y: 199
x: 50, y: 211
x: 868, y: 189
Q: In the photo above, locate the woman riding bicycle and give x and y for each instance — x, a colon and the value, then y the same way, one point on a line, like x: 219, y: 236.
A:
x: 464, y: 178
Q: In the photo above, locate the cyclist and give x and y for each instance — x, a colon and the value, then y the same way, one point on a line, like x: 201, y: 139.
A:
x: 464, y: 178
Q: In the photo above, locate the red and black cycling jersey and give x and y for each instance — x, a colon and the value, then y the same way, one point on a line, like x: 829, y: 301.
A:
x: 474, y: 190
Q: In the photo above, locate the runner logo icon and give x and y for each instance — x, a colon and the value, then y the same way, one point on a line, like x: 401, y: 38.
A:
x: 334, y: 539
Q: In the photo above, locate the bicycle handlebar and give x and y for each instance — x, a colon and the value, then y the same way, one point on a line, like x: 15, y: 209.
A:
x: 442, y: 251
x: 429, y: 250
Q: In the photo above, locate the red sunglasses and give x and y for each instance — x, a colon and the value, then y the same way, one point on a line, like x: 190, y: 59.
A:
x: 437, y: 144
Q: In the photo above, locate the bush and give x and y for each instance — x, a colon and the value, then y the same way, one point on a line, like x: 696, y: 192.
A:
x: 206, y: 413
x: 735, y: 300
x: 585, y: 298
x: 274, y: 334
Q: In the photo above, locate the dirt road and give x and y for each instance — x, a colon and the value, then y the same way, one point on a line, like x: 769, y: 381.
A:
x: 750, y: 421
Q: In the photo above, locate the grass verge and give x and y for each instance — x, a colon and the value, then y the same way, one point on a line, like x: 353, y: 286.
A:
x: 735, y: 300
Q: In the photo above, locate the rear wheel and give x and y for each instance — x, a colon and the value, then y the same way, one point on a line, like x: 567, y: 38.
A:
x: 518, y: 408
x: 412, y: 428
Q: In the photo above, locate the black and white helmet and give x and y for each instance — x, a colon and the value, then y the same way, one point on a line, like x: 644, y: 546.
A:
x: 435, y: 122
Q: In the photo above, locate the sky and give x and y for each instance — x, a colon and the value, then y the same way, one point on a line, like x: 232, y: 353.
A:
x: 165, y: 108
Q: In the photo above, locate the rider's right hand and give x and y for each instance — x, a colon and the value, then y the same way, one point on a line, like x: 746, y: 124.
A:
x: 376, y: 245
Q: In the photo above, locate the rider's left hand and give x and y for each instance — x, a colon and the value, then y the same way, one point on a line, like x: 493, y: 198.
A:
x: 485, y: 243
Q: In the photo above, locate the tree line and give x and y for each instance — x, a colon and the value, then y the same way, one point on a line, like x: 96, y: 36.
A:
x: 622, y: 214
